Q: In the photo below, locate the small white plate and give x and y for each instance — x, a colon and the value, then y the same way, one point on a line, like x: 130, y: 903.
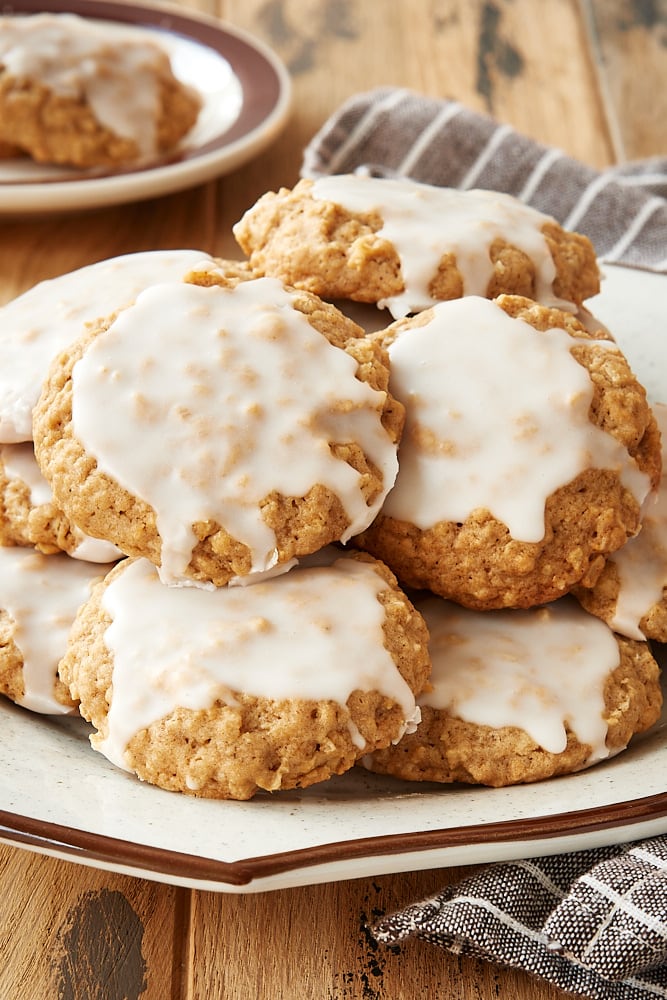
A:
x: 59, y: 797
x: 246, y: 94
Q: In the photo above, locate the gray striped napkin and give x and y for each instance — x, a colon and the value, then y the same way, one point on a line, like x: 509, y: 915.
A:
x: 593, y: 922
x: 394, y: 132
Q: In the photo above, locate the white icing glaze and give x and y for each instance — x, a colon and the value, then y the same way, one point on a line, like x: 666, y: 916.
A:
x: 111, y: 68
x: 313, y: 634
x: 642, y: 562
x: 497, y: 418
x: 19, y: 463
x: 46, y: 319
x: 94, y: 550
x: 267, y: 574
x: 42, y: 595
x: 219, y: 397
x: 424, y: 223
x: 535, y: 670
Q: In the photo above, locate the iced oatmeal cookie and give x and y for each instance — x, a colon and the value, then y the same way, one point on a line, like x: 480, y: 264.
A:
x: 78, y: 92
x: 252, y: 424
x: 520, y: 696
x: 528, y: 451
x: 222, y: 693
x: 407, y: 245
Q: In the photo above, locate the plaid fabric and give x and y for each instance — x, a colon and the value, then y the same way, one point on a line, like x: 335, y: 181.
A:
x: 593, y: 922
x: 393, y: 132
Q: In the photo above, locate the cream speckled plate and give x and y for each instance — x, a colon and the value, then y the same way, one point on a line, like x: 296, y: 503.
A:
x: 245, y: 91
x: 59, y: 797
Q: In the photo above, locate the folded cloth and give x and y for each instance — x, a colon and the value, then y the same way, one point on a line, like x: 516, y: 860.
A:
x: 395, y: 132
x: 592, y: 922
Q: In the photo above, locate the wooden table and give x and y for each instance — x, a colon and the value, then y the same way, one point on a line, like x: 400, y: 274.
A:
x: 588, y: 77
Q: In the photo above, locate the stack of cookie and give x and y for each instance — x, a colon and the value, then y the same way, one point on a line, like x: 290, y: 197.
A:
x: 217, y: 428
x: 273, y: 478
x: 530, y: 457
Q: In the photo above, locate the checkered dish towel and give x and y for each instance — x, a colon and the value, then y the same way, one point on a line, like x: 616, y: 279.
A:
x: 592, y: 922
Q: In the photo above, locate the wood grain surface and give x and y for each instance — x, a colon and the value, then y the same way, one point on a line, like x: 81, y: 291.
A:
x: 588, y: 77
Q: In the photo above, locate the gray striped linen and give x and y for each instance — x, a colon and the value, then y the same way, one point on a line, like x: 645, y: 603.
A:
x: 593, y: 922
x: 395, y: 132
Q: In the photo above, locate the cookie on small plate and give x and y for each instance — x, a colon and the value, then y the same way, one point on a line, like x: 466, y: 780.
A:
x: 225, y: 692
x: 83, y: 93
x: 406, y: 245
x: 220, y: 430
x: 528, y: 451
x: 39, y: 598
x: 520, y: 696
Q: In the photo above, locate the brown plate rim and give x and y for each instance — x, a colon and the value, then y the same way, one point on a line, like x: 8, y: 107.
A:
x: 80, y: 845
